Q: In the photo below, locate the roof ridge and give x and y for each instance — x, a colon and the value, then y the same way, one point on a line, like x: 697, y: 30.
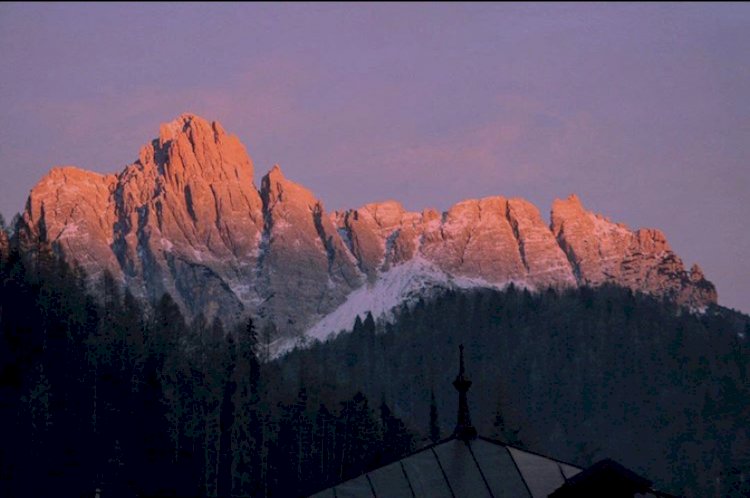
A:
x: 500, y: 443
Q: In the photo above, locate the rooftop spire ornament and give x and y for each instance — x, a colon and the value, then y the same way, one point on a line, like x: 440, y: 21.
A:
x: 464, y: 430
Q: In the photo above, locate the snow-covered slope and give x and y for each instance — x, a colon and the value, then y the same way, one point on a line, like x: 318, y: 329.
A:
x: 404, y: 283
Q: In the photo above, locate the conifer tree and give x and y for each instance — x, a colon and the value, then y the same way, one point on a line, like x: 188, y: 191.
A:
x: 368, y: 327
x: 226, y: 421
x: 358, y: 325
x: 246, y: 434
x: 434, y: 428
x: 397, y: 440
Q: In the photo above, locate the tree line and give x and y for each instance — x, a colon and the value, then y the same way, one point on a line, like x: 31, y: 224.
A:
x: 580, y: 375
x: 133, y: 401
x: 110, y: 393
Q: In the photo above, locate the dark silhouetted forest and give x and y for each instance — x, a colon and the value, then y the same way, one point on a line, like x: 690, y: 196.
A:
x: 580, y: 375
x: 107, y: 393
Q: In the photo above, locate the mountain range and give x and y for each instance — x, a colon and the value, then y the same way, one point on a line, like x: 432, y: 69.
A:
x: 187, y: 219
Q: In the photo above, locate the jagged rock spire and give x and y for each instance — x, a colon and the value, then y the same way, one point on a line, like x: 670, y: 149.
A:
x: 464, y: 430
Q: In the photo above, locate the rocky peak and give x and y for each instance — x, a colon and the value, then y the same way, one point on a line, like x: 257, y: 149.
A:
x: 545, y: 262
x: 186, y: 123
x: 601, y: 251
x: 370, y: 230
x: 186, y: 218
x: 497, y: 240
x: 303, y: 255
x: 388, y: 214
x: 70, y: 209
x: 478, y: 240
x: 191, y: 147
x: 277, y: 189
x: 696, y: 273
x: 183, y: 213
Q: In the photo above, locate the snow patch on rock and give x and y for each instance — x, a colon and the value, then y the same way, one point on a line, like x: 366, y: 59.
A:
x: 404, y: 283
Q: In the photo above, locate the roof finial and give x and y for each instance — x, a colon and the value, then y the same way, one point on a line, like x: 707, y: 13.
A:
x: 464, y: 430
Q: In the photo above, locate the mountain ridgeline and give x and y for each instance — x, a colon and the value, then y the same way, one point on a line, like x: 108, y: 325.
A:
x: 186, y: 219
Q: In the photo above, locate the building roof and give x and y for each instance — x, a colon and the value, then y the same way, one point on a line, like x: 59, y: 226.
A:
x: 454, y: 467
x: 468, y: 465
x: 606, y: 478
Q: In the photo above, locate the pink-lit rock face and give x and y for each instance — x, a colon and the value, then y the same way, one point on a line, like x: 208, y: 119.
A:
x: 378, y: 235
x: 545, y: 262
x: 186, y: 218
x: 475, y: 239
x: 604, y: 252
x: 306, y: 269
x: 72, y: 209
x: 490, y: 239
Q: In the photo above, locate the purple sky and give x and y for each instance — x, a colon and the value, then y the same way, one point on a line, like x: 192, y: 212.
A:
x: 643, y: 110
